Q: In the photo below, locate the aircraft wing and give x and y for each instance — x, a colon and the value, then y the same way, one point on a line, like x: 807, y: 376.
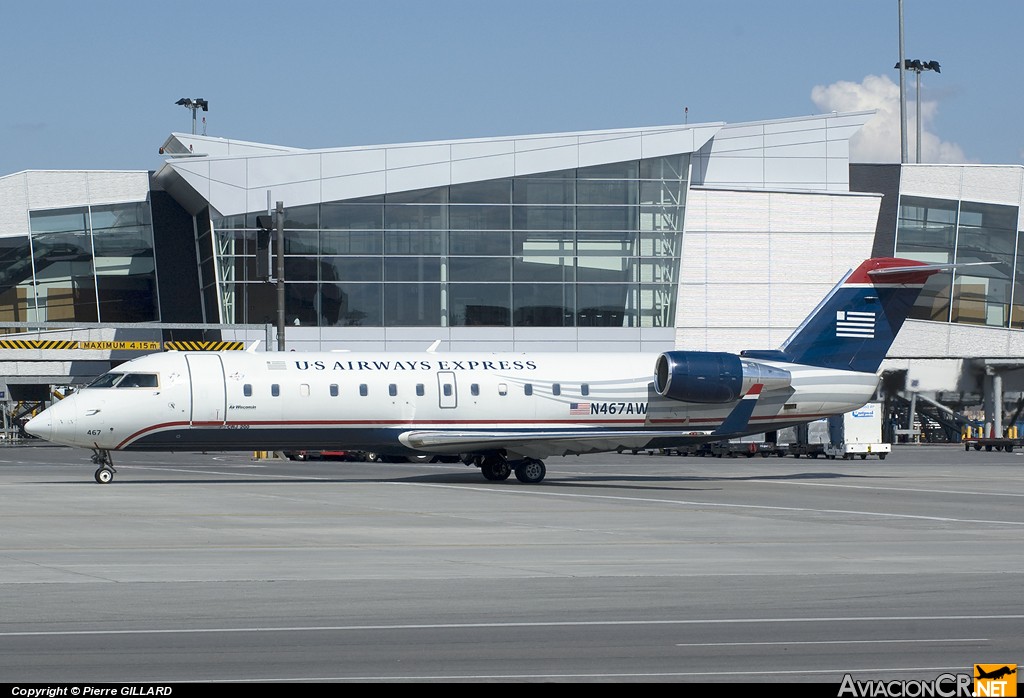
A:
x: 564, y: 442
x: 541, y: 444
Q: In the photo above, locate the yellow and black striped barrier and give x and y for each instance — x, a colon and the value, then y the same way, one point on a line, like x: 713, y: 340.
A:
x: 69, y: 344
x: 204, y: 346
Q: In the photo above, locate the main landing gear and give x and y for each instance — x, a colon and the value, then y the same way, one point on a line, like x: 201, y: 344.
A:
x: 529, y: 471
x: 105, y: 473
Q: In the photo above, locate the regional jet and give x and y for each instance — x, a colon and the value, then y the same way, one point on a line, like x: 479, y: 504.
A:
x: 502, y: 412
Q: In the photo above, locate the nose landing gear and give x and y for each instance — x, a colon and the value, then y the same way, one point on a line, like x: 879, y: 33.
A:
x: 105, y: 473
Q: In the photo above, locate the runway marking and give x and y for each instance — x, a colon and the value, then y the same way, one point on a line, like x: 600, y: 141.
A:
x: 651, y: 675
x: 830, y: 642
x: 712, y: 505
x: 890, y: 489
x: 475, y: 626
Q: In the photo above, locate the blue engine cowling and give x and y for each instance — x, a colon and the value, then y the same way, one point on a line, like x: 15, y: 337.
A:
x: 712, y: 376
x: 699, y: 376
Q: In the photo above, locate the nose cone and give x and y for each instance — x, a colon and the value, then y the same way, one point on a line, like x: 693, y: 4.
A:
x: 41, y: 425
x: 56, y: 423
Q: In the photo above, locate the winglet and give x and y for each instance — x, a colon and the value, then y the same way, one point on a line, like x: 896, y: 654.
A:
x: 252, y: 347
x: 433, y: 347
x: 736, y: 422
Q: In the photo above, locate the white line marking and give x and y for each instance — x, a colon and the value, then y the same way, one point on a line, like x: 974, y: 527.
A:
x: 474, y: 626
x: 829, y: 642
x: 713, y: 505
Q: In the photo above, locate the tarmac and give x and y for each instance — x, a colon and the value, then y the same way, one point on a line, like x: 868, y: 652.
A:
x: 206, y: 567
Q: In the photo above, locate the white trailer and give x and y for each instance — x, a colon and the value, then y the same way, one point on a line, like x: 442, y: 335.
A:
x: 857, y: 433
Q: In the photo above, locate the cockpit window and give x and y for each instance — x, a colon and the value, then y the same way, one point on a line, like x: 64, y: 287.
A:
x: 107, y: 380
x: 139, y: 380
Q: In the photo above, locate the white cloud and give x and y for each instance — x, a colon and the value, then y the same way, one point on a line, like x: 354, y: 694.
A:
x: 879, y: 139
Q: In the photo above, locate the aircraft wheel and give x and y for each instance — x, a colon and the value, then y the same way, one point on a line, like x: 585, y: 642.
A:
x: 371, y: 457
x: 977, y: 447
x: 881, y: 456
x: 496, y: 470
x: 863, y: 456
x: 531, y: 472
x: 1008, y: 447
x: 988, y: 447
x: 103, y: 475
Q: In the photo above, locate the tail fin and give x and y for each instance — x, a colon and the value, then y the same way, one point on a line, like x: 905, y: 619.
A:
x: 855, y: 324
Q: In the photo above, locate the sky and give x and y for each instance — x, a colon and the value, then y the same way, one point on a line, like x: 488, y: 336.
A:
x: 92, y: 84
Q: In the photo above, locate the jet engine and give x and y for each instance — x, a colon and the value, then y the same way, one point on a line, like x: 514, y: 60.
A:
x: 712, y: 376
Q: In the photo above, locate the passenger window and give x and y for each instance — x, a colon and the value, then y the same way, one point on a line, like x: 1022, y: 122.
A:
x: 275, y: 390
x: 304, y: 389
x: 447, y: 390
x: 363, y: 390
x: 585, y: 389
x: 419, y: 389
x: 474, y: 389
x: 334, y: 390
x: 528, y: 389
x: 392, y: 390
x: 556, y: 389
x: 247, y: 390
x: 502, y: 389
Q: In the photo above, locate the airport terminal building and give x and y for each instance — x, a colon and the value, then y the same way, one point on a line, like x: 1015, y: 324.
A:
x: 708, y: 236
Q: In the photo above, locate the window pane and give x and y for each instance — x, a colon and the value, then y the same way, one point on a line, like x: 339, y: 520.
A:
x: 479, y: 269
x: 607, y: 217
x: 543, y: 217
x: 412, y: 269
x: 545, y: 191
x: 542, y: 305
x: 493, y: 191
x: 351, y: 268
x: 415, y: 217
x: 479, y: 304
x: 362, y: 214
x: 351, y: 305
x: 300, y: 242
x: 606, y: 305
x: 468, y: 217
x: 351, y: 242
x: 300, y: 304
x: 490, y: 243
x: 606, y: 192
x: 307, y: 217
x: 412, y: 304
x: 415, y: 242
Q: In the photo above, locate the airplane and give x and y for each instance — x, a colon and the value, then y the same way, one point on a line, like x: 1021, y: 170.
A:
x: 997, y: 674
x: 501, y: 412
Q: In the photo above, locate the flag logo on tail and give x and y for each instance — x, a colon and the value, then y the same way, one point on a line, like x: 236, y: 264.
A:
x: 854, y: 323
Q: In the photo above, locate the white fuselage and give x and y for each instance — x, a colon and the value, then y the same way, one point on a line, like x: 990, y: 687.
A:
x: 362, y: 401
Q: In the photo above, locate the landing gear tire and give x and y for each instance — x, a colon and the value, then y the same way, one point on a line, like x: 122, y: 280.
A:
x: 105, y: 473
x: 496, y: 469
x: 531, y: 472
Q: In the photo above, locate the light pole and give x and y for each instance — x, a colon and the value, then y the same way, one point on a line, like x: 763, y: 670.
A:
x: 194, y: 105
x: 919, y: 66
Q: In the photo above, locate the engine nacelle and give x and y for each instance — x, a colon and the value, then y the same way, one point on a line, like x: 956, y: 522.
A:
x: 712, y: 376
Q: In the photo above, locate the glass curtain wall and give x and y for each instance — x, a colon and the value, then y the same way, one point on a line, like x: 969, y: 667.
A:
x: 596, y: 246
x: 939, y: 230
x: 88, y: 264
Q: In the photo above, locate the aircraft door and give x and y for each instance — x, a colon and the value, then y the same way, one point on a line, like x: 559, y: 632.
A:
x: 446, y: 389
x: 209, y: 397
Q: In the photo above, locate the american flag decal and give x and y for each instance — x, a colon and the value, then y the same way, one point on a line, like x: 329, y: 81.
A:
x: 579, y: 408
x: 854, y: 323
